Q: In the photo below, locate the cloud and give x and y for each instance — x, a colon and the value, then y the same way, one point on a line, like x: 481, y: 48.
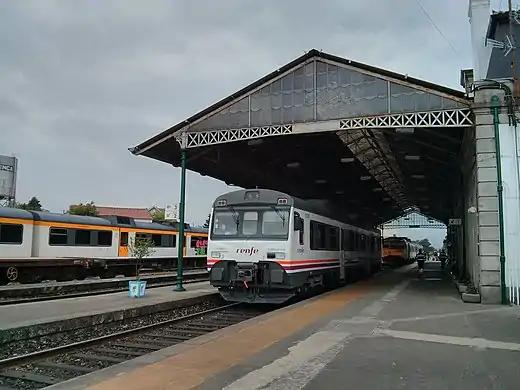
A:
x: 82, y: 81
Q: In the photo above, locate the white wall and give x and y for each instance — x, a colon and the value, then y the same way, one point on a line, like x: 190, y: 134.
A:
x: 509, y: 151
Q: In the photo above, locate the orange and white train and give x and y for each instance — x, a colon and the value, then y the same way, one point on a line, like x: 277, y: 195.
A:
x: 38, y: 245
x: 266, y: 246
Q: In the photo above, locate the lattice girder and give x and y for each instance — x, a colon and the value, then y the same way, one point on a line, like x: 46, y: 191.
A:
x: 446, y: 118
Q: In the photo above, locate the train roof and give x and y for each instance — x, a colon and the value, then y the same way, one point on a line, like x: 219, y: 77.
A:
x: 270, y: 197
x: 11, y: 212
x: 154, y: 226
x: 68, y: 218
x: 198, y: 229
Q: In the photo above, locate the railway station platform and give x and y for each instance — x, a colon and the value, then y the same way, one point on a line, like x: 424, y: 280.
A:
x: 37, y: 313
x: 396, y: 331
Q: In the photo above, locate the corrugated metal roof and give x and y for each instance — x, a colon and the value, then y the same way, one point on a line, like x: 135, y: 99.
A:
x: 135, y: 213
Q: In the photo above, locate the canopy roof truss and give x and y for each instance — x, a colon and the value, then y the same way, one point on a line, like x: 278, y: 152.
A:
x: 379, y: 119
x: 414, y: 219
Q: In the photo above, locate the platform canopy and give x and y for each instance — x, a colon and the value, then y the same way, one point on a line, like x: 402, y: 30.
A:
x: 414, y: 219
x: 373, y: 142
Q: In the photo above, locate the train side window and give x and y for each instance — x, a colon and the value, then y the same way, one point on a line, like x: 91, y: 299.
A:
x: 156, y: 238
x: 333, y: 234
x: 58, y: 236
x: 345, y: 239
x: 316, y: 237
x: 124, y: 239
x: 168, y: 240
x: 82, y: 237
x: 299, y: 226
x: 11, y: 233
x: 104, y: 237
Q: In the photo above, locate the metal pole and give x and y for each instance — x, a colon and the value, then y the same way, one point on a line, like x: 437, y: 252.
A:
x: 180, y: 250
x: 495, y: 104
x: 513, y: 51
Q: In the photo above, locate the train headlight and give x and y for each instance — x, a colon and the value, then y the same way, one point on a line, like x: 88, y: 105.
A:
x: 216, y: 254
x: 279, y: 255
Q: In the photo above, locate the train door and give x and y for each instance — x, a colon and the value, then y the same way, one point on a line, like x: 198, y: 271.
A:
x: 123, y: 244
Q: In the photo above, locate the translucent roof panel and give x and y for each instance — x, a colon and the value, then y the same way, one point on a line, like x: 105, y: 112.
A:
x: 319, y: 90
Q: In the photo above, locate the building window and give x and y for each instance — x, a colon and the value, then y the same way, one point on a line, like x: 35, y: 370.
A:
x: 11, y: 233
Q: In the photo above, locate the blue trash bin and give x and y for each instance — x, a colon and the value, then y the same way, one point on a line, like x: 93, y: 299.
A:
x: 137, y: 289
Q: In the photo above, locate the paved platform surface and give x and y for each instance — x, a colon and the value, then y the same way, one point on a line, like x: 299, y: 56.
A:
x: 41, y: 312
x: 393, y: 332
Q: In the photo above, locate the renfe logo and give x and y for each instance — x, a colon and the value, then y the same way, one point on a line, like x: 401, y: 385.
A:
x: 247, y: 251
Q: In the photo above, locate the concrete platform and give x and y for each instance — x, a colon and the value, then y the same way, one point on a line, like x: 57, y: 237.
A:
x: 30, y: 314
x: 393, y: 332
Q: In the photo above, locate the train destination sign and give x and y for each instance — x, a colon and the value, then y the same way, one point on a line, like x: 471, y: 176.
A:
x: 5, y: 167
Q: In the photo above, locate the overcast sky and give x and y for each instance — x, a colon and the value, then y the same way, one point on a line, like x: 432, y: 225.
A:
x: 81, y: 81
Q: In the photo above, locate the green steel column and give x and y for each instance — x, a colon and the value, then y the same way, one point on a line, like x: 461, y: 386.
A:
x: 180, y: 252
x: 495, y: 104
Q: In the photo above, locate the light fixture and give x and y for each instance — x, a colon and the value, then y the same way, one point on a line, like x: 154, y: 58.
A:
x: 320, y: 181
x: 364, y: 178
x: 347, y: 159
x: 295, y: 164
x: 412, y: 158
x: 418, y: 176
x: 254, y: 142
x: 405, y: 130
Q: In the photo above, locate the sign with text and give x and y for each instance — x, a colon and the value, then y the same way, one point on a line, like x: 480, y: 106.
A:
x: 455, y: 222
x: 171, y: 212
x: 7, y: 168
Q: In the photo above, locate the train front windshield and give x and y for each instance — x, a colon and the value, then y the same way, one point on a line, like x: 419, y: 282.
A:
x: 265, y: 223
x: 393, y: 245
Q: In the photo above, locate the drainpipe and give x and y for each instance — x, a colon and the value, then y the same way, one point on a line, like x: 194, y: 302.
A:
x: 495, y: 107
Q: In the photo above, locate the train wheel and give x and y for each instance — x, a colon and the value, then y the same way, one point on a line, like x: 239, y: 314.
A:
x: 12, y: 274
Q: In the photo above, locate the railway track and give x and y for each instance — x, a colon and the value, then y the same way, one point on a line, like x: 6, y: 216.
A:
x: 95, y: 289
x: 47, y: 367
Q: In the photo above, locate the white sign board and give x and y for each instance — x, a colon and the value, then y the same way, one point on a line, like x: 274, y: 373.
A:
x: 455, y: 222
x: 171, y: 212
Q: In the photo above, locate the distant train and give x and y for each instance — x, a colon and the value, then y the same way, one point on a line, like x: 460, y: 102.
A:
x: 37, y: 246
x: 265, y: 246
x: 399, y: 251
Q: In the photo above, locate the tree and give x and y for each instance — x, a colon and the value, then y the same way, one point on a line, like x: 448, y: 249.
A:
x: 34, y: 204
x: 426, y: 244
x: 206, y: 224
x: 140, y: 248
x: 87, y: 209
x: 157, y: 215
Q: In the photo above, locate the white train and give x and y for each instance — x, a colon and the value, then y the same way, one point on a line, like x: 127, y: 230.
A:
x: 41, y: 245
x: 266, y: 246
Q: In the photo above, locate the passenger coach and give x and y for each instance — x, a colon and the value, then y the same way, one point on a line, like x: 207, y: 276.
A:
x: 37, y: 245
x: 266, y: 246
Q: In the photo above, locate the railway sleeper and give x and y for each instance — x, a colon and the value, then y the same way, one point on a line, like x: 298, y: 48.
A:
x: 137, y: 346
x: 28, y: 376
x: 63, y: 366
x: 118, y: 351
x: 88, y: 356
